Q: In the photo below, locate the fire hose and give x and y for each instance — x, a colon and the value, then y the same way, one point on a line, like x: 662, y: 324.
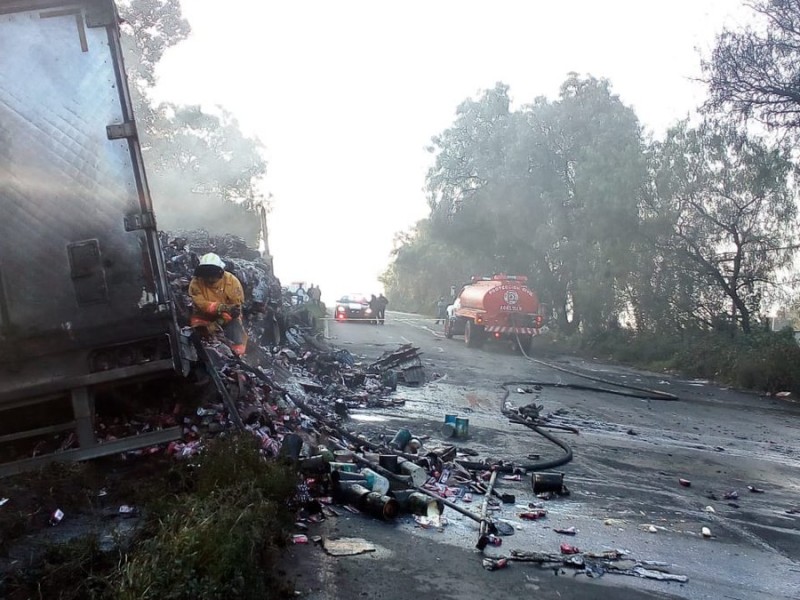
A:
x: 647, y: 393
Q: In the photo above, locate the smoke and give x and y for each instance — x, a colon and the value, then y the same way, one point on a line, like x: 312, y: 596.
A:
x: 178, y: 207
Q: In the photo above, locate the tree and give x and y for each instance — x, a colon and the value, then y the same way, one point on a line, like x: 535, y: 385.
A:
x: 756, y: 72
x: 550, y: 191
x: 149, y: 29
x: 587, y: 164
x: 730, y: 211
x: 203, y: 171
x: 423, y: 268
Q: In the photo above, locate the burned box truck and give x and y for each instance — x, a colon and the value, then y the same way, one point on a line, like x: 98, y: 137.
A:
x: 84, y: 301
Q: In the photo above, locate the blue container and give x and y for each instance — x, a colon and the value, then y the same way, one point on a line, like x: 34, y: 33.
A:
x: 449, y: 427
x: 462, y: 427
x: 401, y: 439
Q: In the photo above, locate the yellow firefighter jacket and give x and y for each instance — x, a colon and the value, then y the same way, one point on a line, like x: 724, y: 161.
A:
x: 207, y: 299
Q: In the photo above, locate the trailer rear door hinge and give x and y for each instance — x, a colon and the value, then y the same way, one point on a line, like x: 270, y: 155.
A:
x: 137, y: 222
x: 121, y: 130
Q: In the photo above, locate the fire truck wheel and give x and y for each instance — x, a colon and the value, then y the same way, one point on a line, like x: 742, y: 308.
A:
x: 473, y: 335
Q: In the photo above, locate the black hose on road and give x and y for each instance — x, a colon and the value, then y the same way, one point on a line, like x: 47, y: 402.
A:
x: 650, y: 394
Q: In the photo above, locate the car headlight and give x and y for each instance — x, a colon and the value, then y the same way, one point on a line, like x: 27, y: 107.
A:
x: 368, y: 311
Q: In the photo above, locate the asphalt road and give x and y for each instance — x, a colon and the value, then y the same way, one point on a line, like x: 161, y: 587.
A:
x: 628, y: 458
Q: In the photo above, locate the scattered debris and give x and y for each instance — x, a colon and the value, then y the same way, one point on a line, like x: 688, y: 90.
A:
x: 347, y: 546
x: 569, y: 549
x: 567, y: 531
x: 706, y: 532
x: 405, y: 361
x: 534, y: 515
x: 597, y: 564
x: 493, y: 564
x: 659, y: 575
x: 755, y: 490
x: 685, y: 482
x: 56, y: 517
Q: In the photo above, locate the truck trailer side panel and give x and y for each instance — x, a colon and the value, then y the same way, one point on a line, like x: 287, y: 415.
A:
x: 80, y: 265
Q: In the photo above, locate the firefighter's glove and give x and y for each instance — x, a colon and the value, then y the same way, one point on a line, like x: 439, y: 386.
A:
x: 224, y: 313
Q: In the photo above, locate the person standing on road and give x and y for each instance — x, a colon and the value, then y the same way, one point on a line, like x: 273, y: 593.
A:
x: 441, y: 310
x: 314, y: 294
x: 373, y: 309
x: 300, y: 294
x: 217, y: 298
x: 382, y: 304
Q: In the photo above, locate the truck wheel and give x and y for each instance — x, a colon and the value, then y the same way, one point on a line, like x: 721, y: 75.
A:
x: 473, y: 335
x: 448, y: 329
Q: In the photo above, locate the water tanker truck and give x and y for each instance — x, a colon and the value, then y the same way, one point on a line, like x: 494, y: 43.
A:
x: 500, y: 307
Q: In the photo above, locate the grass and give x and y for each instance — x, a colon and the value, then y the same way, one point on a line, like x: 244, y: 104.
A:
x: 212, y: 529
x: 764, y: 360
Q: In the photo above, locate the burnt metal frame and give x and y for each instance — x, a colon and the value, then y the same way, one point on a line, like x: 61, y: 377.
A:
x: 124, y: 445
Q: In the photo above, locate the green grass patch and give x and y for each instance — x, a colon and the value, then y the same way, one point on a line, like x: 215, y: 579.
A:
x: 766, y: 361
x: 212, y: 528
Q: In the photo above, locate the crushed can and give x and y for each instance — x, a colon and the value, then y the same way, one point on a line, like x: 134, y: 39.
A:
x: 299, y: 538
x: 533, y: 515
x: 56, y: 517
x: 493, y: 564
x: 569, y: 549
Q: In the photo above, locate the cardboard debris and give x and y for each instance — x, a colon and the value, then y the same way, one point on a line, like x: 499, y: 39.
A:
x: 347, y: 546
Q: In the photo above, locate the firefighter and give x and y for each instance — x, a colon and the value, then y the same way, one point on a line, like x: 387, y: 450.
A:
x: 217, y: 298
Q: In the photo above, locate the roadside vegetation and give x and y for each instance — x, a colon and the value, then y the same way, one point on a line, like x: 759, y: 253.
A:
x: 764, y: 360
x: 665, y: 252
x: 210, y: 528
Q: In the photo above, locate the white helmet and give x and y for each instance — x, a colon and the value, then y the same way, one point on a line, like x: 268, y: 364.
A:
x: 213, y: 260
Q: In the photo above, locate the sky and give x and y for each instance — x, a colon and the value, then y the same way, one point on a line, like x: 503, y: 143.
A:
x: 346, y: 95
